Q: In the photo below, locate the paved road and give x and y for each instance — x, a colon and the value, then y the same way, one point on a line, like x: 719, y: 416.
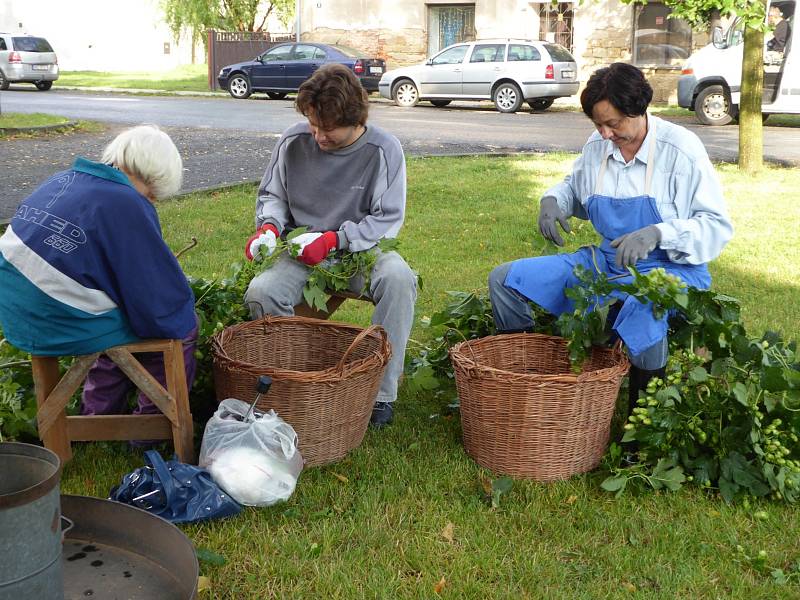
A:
x: 227, y: 141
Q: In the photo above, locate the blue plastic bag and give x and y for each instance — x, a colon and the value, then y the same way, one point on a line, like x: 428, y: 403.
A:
x: 174, y: 491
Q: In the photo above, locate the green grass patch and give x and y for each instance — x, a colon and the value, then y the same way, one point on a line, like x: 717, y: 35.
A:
x: 406, y: 510
x: 54, y: 126
x: 192, y: 78
x: 16, y: 120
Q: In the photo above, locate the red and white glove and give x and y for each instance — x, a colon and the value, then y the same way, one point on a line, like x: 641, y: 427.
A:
x: 262, y: 241
x: 314, y: 247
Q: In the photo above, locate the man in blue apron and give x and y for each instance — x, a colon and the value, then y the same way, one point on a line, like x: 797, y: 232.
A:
x: 650, y: 191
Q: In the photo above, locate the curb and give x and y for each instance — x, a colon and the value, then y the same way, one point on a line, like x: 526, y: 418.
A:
x: 36, y: 128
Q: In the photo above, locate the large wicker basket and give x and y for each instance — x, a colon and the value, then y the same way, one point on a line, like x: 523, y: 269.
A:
x: 525, y: 413
x: 325, y: 377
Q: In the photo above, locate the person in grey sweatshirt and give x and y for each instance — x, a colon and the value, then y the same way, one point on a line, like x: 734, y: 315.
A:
x: 345, y: 181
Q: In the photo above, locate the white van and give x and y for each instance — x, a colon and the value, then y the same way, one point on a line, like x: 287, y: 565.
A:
x: 710, y: 82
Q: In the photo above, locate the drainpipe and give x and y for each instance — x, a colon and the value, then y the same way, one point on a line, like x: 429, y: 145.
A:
x: 297, y: 9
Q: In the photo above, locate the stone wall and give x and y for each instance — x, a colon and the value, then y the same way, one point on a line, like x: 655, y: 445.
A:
x: 397, y: 47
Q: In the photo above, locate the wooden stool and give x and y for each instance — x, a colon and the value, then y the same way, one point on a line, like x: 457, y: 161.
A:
x: 334, y: 302
x: 57, y: 430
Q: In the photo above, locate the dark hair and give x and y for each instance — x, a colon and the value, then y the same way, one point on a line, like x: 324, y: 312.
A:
x: 335, y: 96
x: 623, y: 85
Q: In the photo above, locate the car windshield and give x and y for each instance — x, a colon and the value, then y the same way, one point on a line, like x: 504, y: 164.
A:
x: 31, y: 44
x: 349, y: 52
x: 559, y: 53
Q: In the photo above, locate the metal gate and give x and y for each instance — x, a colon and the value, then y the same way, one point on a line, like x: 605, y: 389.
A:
x: 228, y: 47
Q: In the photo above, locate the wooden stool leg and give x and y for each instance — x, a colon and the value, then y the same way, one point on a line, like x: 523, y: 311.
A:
x: 46, y: 377
x: 183, y: 429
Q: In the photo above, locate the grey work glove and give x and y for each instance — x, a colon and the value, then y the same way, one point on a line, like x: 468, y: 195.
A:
x: 549, y: 213
x: 636, y: 245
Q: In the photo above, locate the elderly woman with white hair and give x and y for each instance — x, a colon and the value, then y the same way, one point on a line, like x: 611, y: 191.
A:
x: 83, y: 266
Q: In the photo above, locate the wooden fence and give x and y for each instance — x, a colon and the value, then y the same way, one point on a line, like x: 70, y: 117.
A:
x: 228, y: 47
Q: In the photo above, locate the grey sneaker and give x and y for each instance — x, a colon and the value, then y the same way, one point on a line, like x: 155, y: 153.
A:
x: 382, y: 414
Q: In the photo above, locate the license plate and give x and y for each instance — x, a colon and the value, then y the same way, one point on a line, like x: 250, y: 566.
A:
x: 41, y: 67
x: 376, y: 70
x: 567, y: 73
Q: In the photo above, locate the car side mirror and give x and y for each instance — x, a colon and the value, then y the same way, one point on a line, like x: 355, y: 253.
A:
x: 717, y: 38
x: 429, y: 62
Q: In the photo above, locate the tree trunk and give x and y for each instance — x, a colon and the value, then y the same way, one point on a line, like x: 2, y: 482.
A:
x: 751, y: 133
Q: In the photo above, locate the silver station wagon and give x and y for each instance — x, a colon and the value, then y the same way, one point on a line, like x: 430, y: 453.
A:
x: 506, y: 71
x: 27, y: 59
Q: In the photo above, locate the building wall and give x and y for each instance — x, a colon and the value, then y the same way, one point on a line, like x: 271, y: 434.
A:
x: 396, y: 30
x: 100, y: 35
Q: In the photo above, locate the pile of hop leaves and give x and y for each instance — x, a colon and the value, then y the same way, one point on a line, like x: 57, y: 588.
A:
x: 219, y: 303
x: 17, y: 397
x: 725, y: 417
x: 467, y: 316
x: 332, y: 275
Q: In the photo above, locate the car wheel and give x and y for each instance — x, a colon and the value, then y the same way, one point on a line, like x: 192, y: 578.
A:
x: 507, y: 98
x: 4, y: 83
x: 239, y: 87
x: 43, y: 85
x: 276, y: 95
x: 540, y: 103
x: 440, y: 103
x: 404, y: 93
x: 713, y: 106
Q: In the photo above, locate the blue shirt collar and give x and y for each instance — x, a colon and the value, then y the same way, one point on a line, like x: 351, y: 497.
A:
x: 101, y: 170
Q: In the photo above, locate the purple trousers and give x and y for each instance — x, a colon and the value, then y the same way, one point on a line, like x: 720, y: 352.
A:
x: 105, y: 391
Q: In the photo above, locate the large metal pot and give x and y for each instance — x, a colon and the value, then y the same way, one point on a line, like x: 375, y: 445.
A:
x: 30, y: 524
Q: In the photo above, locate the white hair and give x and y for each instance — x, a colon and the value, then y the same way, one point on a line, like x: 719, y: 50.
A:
x: 148, y: 153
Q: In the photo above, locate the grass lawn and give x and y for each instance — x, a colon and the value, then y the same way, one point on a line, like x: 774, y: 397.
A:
x: 14, y: 120
x: 23, y: 120
x: 403, y: 516
x: 192, y: 78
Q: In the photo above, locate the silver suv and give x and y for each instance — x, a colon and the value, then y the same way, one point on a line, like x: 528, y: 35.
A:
x: 27, y: 59
x: 506, y: 71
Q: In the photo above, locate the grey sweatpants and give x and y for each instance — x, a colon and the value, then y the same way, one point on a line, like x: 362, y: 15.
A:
x: 393, y: 289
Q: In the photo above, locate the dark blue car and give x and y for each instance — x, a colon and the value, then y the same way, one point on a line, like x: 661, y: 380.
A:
x: 282, y: 69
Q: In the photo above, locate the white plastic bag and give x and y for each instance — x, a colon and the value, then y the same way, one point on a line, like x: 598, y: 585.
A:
x: 255, y: 460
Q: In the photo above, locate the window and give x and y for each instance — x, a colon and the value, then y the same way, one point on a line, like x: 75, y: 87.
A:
x: 31, y: 44
x: 555, y: 23
x: 278, y: 53
x: 449, y: 25
x: 452, y: 56
x: 659, y: 40
x: 523, y: 52
x: 488, y: 53
x: 304, y: 52
x: 559, y: 53
x: 3, y: 44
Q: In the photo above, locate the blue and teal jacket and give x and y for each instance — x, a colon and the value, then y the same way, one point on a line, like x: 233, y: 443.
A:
x: 83, y: 267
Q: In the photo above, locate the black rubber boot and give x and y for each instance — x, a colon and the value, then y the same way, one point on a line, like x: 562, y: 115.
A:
x: 382, y: 414
x: 638, y: 380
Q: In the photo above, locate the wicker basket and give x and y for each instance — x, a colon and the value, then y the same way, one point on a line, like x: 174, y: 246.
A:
x: 325, y: 377
x: 525, y: 413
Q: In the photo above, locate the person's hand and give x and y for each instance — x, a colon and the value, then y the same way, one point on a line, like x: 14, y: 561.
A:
x: 636, y: 245
x: 262, y: 241
x: 549, y: 213
x: 313, y: 247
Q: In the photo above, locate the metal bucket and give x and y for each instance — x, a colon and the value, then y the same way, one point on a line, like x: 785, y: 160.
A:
x: 30, y: 523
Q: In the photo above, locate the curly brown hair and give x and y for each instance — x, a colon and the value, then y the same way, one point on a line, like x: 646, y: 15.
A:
x: 334, y: 96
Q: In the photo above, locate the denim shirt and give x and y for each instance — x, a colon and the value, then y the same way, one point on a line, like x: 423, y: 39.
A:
x: 688, y: 195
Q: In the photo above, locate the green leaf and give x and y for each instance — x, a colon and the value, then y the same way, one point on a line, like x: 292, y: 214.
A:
x: 740, y: 393
x: 727, y: 489
x: 209, y: 556
x: 502, y: 485
x: 295, y: 232
x: 698, y: 375
x: 774, y: 380
x: 614, y: 483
